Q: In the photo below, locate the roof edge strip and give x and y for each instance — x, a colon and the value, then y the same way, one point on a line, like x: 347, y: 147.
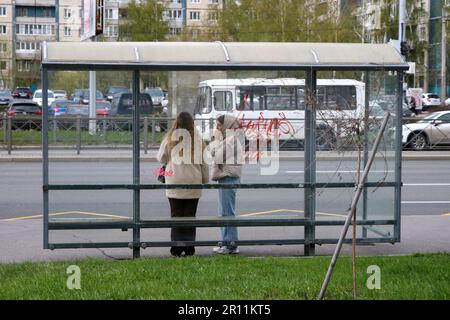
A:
x: 225, y: 50
x: 225, y: 66
x: 136, y: 53
x: 44, y: 51
x: 316, y: 57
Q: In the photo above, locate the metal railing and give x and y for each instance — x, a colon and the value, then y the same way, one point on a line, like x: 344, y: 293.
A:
x: 112, y: 132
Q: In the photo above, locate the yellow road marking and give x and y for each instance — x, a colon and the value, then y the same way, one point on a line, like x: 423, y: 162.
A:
x: 332, y: 214
x: 291, y: 210
x: 104, y: 215
x: 113, y: 216
x: 108, y: 215
x: 36, y: 216
x: 270, y: 211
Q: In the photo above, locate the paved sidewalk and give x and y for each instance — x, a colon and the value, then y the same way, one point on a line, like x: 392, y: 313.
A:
x: 22, y: 241
x: 35, y: 155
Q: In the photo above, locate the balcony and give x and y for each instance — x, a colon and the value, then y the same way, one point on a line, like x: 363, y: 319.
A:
x: 34, y: 3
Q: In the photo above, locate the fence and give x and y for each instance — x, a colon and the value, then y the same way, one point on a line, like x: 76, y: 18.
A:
x: 419, y: 133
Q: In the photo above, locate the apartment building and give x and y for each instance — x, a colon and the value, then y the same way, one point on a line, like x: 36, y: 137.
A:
x: 6, y: 44
x: 196, y: 17
x: 432, y: 66
x: 24, y: 25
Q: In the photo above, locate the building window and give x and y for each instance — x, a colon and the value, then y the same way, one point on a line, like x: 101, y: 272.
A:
x: 28, y: 29
x: 21, y: 12
x: 2, y: 29
x: 47, y: 12
x: 194, y: 15
x: 175, y: 14
x: 67, y: 13
x: 213, y: 16
x: 3, y: 47
x: 67, y: 31
x: 111, y: 31
x: 2, y: 11
x: 3, y: 65
x: 195, y: 1
x: 109, y: 14
x: 175, y: 31
x: 24, y: 65
x: 213, y: 1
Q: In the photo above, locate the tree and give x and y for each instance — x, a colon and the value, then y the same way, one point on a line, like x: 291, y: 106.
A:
x: 144, y: 22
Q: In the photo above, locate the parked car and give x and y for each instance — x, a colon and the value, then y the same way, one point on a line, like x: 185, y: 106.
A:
x: 82, y: 96
x: 23, y: 93
x: 103, y: 108
x: 18, y: 108
x: 431, y: 131
x: 60, y: 94
x: 430, y: 100
x: 447, y: 102
x: 5, y: 97
x: 157, y: 95
x: 113, y: 90
x: 122, y: 104
x: 59, y: 107
x: 77, y: 109
x: 379, y: 107
x: 37, y: 97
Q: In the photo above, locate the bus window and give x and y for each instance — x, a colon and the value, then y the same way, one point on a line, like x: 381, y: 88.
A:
x: 282, y: 98
x: 223, y: 101
x: 341, y: 97
x: 336, y: 97
x: 251, y: 98
x: 203, y: 100
x: 301, y: 98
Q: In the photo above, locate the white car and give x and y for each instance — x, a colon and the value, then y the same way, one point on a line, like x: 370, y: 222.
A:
x: 431, y: 131
x: 430, y: 100
x: 60, y: 94
x: 37, y: 97
x: 447, y: 102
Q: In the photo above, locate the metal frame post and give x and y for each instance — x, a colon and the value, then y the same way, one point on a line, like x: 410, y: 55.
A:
x: 44, y: 77
x: 398, y: 156
x: 366, y: 145
x: 310, y: 161
x: 145, y: 135
x: 9, y: 136
x: 136, y: 167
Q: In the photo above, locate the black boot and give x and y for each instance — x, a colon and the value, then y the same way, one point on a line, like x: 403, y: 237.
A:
x: 176, y: 251
x: 189, y: 251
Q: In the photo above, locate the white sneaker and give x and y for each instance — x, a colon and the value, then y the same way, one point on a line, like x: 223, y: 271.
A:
x: 225, y: 250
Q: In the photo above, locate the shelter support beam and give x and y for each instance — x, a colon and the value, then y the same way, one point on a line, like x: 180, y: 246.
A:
x: 310, y: 160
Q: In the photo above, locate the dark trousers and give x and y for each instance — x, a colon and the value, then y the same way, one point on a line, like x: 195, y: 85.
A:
x: 183, y: 208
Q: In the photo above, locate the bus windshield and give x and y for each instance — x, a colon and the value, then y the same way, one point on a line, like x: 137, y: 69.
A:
x: 203, y: 104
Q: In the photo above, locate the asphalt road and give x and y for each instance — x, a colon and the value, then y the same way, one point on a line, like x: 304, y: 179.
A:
x: 426, y: 189
x: 425, y: 208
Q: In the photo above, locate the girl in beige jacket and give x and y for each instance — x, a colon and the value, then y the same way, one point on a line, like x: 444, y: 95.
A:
x: 181, y: 151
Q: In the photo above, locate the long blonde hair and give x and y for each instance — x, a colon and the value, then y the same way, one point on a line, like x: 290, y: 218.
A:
x: 185, y: 121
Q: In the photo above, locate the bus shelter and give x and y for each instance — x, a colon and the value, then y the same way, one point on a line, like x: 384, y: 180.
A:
x: 379, y: 212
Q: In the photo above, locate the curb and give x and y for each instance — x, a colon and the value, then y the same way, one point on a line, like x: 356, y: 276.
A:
x: 82, y: 158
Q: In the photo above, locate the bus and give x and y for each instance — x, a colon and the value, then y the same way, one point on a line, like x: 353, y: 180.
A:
x: 265, y: 104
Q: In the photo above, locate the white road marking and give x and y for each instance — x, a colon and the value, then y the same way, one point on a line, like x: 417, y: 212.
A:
x: 425, y: 202
x: 426, y: 184
x: 334, y: 171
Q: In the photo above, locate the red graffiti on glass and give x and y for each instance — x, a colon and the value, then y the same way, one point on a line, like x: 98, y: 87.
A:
x: 262, y: 126
x: 162, y: 172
